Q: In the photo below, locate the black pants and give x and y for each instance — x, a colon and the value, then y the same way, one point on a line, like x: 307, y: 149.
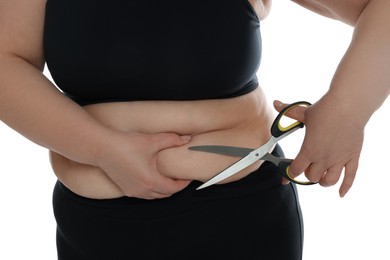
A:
x: 253, y: 218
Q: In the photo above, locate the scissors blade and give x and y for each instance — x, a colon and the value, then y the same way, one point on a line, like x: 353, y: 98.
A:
x: 223, y: 150
x: 249, y: 159
x: 233, y: 169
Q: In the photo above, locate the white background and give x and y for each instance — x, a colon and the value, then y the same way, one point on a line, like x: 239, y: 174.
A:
x: 300, y: 53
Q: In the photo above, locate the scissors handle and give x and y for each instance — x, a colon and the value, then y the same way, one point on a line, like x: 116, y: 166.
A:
x: 277, y: 129
x: 284, y: 166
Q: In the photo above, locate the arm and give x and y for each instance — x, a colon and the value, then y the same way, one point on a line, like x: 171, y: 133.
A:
x: 347, y: 11
x: 30, y: 104
x: 359, y: 87
x: 367, y: 60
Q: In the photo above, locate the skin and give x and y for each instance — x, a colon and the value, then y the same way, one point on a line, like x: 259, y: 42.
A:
x: 32, y: 106
x: 209, y: 121
x: 327, y: 150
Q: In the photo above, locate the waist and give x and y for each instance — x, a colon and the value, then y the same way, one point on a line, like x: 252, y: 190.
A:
x: 184, y: 117
x: 265, y: 178
x: 194, y: 90
x: 241, y: 121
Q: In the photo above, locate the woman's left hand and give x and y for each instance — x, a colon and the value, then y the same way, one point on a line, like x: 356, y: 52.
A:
x: 333, y: 141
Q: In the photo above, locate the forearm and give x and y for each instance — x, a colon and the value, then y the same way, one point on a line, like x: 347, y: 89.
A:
x: 32, y: 106
x: 362, y: 80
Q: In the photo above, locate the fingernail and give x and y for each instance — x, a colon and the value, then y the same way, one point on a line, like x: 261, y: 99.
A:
x: 277, y: 103
x: 285, y: 181
x: 186, y: 138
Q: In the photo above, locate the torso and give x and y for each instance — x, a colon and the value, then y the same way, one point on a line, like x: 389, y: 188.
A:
x: 240, y: 121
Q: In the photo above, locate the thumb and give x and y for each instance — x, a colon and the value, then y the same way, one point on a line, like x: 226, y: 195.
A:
x: 167, y: 140
x: 169, y: 186
x: 299, y: 165
x: 297, y: 112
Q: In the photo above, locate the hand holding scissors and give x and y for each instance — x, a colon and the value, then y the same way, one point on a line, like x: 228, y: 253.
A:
x: 249, y: 155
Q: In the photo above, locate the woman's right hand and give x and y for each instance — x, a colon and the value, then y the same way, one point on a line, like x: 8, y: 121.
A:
x: 130, y: 160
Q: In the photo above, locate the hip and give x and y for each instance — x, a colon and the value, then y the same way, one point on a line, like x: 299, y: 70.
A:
x: 255, y: 217
x: 266, y: 177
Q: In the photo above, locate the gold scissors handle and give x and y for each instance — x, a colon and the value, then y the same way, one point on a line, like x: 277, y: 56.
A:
x: 277, y: 129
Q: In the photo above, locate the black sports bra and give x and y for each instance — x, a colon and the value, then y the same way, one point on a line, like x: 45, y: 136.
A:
x: 126, y: 50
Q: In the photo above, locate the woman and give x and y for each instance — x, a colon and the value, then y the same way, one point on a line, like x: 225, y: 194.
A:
x: 146, y: 79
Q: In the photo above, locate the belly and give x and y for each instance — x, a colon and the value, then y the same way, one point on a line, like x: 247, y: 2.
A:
x: 241, y: 121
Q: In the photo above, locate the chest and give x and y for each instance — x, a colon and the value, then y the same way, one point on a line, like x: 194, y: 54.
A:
x: 147, y: 44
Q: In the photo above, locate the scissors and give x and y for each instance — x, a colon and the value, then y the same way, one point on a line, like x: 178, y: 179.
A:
x: 250, y: 155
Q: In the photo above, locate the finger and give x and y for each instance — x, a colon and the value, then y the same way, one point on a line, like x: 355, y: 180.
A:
x: 349, y: 177
x: 315, y: 172
x: 167, y: 140
x: 297, y: 112
x: 299, y: 165
x: 285, y: 181
x: 169, y: 186
x: 147, y: 194
x: 332, y: 176
x: 154, y: 195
